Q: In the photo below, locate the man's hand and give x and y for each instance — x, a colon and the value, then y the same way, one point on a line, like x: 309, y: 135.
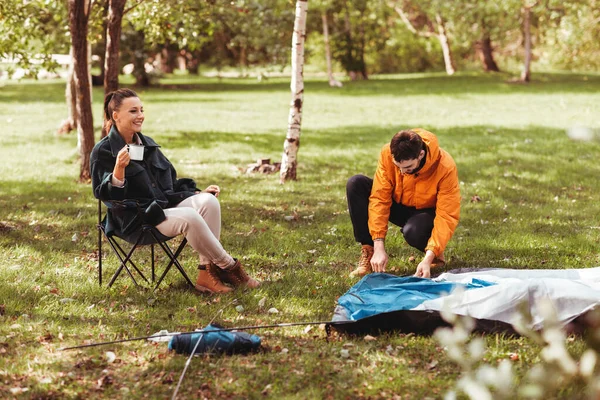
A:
x: 214, y: 189
x: 380, y: 258
x: 423, y: 270
x: 424, y: 267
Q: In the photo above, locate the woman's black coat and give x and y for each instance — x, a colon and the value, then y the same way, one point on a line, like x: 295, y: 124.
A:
x: 151, y: 185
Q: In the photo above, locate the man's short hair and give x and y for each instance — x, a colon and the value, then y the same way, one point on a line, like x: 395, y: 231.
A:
x: 406, y: 145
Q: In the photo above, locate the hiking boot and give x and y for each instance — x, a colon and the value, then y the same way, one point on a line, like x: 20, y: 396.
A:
x: 236, y: 276
x: 209, y: 281
x: 438, y: 262
x: 364, y: 262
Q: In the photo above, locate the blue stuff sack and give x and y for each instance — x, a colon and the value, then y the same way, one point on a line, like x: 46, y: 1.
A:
x: 215, y: 342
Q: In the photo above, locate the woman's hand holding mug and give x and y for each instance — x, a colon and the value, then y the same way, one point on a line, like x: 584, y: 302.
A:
x: 123, y: 160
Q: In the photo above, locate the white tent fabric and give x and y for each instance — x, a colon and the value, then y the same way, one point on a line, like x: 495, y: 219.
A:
x: 572, y: 293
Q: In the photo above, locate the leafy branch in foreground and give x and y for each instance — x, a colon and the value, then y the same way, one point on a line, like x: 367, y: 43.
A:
x: 557, y: 369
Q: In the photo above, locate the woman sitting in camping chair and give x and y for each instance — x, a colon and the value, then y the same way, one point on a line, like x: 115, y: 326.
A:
x: 128, y: 166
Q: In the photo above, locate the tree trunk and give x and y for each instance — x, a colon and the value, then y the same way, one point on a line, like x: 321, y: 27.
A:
x: 78, y: 26
x: 192, y: 62
x: 361, y: 54
x: 139, y: 60
x: 99, y: 80
x: 71, y: 122
x: 486, y: 54
x: 526, y: 73
x: 168, y: 58
x: 289, y: 161
x: 332, y: 80
x: 350, y: 62
x: 445, y: 43
x: 113, y: 42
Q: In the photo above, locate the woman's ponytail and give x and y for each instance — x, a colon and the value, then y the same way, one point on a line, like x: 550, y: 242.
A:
x: 107, y: 117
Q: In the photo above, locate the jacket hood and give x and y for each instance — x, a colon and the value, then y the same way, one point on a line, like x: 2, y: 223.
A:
x: 433, y: 149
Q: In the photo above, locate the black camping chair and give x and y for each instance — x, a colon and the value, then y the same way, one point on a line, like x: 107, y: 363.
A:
x: 148, y: 235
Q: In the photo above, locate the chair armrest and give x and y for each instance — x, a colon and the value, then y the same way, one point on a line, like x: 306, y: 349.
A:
x: 122, y: 204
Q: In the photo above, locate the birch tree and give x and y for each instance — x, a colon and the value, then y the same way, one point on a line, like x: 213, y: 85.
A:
x: 79, y: 12
x: 425, y: 19
x: 289, y: 161
x: 526, y: 73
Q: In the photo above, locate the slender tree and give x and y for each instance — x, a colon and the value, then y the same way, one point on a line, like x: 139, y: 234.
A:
x: 526, y: 73
x: 332, y: 81
x: 70, y: 123
x: 113, y: 40
x: 79, y: 11
x: 289, y: 161
x: 486, y: 53
x: 432, y: 24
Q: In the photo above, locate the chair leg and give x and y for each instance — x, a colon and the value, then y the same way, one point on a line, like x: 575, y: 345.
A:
x: 152, y: 254
x: 173, y: 261
x: 125, y: 258
x: 119, y: 252
x: 100, y: 231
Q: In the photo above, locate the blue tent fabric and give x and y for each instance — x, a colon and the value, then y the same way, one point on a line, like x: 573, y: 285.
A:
x: 494, y: 298
x: 382, y: 293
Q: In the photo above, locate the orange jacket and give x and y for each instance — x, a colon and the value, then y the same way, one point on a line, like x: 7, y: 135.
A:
x: 435, y: 185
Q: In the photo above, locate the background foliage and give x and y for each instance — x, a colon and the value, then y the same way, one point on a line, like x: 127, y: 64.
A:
x: 365, y: 34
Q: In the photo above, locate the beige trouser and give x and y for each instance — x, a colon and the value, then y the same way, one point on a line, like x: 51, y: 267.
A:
x: 198, y: 218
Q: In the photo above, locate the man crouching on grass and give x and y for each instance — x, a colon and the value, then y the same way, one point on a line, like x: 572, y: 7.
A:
x: 415, y: 187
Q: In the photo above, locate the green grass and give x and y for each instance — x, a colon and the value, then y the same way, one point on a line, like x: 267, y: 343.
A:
x: 538, y: 209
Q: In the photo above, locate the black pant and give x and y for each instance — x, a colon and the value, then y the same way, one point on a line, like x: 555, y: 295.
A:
x: 416, y: 225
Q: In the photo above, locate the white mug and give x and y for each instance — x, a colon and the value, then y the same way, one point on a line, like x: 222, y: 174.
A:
x: 136, y: 152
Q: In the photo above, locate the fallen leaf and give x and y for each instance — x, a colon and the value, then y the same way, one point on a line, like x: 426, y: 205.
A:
x: 475, y: 199
x: 261, y: 302
x: 266, y: 390
x: 104, y: 381
x: 369, y: 338
x: 273, y: 310
x: 46, y: 338
x: 168, y: 379
x: 110, y: 357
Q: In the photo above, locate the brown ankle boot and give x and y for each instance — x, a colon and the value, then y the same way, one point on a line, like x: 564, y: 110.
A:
x: 364, y: 262
x: 237, y: 277
x: 438, y: 262
x: 209, y: 281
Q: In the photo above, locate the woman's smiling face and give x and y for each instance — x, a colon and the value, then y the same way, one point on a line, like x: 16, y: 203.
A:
x: 129, y: 118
